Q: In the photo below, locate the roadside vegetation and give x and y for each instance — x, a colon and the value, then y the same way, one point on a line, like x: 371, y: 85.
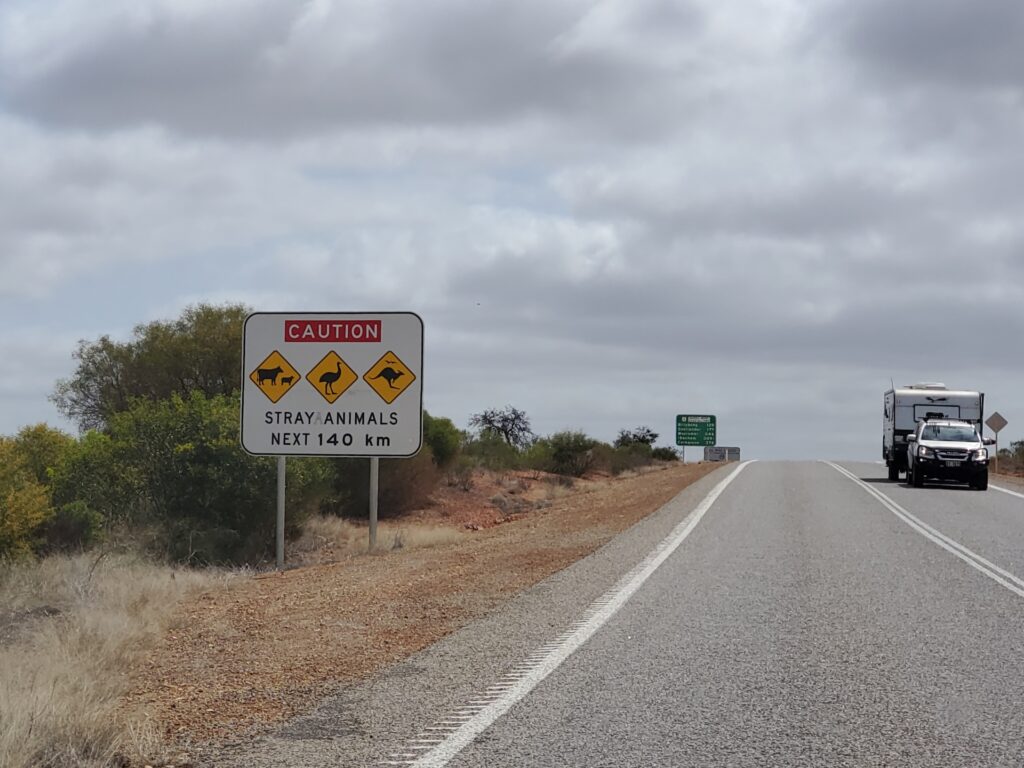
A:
x: 1011, y: 460
x: 70, y: 626
x: 101, y: 533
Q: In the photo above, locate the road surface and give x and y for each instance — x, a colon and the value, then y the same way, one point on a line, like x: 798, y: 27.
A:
x: 802, y: 614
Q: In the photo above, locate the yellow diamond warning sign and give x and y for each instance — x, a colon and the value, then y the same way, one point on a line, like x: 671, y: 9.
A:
x: 389, y: 377
x: 331, y: 377
x: 274, y: 376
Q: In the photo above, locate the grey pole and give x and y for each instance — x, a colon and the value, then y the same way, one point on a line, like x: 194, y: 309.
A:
x: 374, y: 483
x: 280, y: 512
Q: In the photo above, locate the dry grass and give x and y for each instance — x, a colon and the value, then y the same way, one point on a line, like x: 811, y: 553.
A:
x: 69, y: 626
x: 326, y: 538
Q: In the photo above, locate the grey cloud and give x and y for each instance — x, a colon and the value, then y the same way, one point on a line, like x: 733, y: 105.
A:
x: 265, y: 74
x: 933, y: 42
x: 793, y: 310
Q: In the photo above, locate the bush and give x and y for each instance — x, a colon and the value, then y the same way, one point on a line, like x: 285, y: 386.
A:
x: 631, y: 457
x: 639, y: 436
x: 491, y: 451
x: 403, y: 485
x: 443, y: 438
x: 665, y: 454
x: 98, y: 473
x: 24, y: 503
x: 460, y: 474
x: 42, y: 448
x: 73, y: 526
x: 571, y: 453
x: 212, y: 502
x: 539, y: 456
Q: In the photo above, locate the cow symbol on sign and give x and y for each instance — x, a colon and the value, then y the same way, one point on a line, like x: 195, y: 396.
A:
x: 275, y: 376
x: 270, y: 374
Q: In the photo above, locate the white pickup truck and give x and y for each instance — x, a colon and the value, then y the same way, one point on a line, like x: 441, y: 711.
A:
x: 943, y: 449
x: 906, y: 406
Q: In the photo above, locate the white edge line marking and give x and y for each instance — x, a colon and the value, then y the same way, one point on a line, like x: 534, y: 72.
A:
x: 608, y: 606
x: 973, y: 559
x: 1007, y: 490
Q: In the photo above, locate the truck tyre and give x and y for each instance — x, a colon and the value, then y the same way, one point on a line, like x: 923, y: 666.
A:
x: 918, y: 481
x: 982, y: 482
x: 894, y: 471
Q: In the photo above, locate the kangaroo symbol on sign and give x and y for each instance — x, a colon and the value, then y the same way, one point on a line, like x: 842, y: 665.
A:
x: 390, y: 375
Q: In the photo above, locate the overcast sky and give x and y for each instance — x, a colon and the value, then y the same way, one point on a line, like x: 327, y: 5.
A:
x: 606, y: 213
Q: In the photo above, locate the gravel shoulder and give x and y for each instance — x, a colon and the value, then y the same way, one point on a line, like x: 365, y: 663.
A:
x: 244, y: 659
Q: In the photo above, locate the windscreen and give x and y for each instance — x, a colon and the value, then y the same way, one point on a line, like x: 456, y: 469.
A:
x: 951, y: 433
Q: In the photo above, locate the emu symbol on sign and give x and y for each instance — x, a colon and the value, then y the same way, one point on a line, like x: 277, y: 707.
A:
x: 328, y: 379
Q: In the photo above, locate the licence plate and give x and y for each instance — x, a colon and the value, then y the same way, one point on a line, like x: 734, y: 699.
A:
x: 953, y: 463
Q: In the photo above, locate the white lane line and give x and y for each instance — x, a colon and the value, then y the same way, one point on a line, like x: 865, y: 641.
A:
x: 599, y: 612
x: 1007, y: 490
x: 973, y: 559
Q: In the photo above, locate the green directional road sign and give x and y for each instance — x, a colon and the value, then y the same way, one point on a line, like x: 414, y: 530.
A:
x: 696, y: 430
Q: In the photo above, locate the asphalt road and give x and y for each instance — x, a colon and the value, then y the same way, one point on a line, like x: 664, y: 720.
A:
x: 802, y: 621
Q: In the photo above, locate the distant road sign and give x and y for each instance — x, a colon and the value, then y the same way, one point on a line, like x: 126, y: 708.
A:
x: 996, y: 422
x: 332, y: 384
x: 721, y: 453
x: 696, y: 430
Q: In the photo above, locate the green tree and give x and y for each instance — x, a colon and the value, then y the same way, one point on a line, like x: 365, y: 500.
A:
x: 639, y: 436
x: 511, y: 424
x: 24, y: 504
x: 200, y: 351
x: 100, y: 474
x: 42, y: 448
x: 211, y: 501
x: 442, y: 437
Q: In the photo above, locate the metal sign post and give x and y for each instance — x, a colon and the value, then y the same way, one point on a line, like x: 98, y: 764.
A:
x: 996, y: 423
x: 374, y: 488
x: 280, y: 511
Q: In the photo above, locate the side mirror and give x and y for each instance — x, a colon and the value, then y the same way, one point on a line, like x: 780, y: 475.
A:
x: 911, y: 438
x: 989, y: 441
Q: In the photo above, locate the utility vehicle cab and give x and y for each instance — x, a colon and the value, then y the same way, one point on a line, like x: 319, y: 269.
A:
x: 947, y: 449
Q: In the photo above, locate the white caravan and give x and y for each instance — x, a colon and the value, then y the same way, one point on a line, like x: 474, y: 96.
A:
x: 905, y: 407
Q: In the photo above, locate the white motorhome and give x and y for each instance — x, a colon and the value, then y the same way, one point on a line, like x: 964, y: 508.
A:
x: 906, y: 406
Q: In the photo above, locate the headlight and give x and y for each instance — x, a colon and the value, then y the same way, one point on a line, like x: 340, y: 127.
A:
x: 925, y: 451
x: 980, y: 455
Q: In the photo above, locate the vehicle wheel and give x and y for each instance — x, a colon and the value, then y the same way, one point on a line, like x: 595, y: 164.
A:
x: 982, y: 483
x: 894, y: 471
x: 910, y: 474
x: 918, y: 479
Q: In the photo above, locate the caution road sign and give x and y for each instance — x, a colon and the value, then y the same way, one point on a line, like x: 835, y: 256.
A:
x: 274, y: 376
x: 389, y: 377
x: 360, y: 384
x: 331, y: 377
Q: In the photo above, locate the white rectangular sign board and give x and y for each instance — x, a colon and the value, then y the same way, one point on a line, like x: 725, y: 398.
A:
x: 332, y: 384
